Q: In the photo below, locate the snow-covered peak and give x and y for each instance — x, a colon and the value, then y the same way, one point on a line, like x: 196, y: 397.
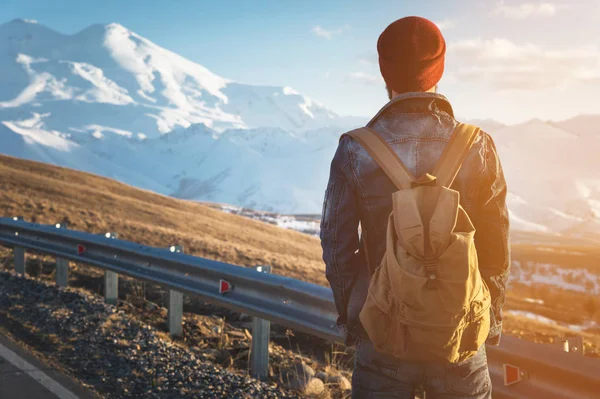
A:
x: 110, y: 76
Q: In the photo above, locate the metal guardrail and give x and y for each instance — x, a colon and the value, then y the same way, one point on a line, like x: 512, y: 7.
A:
x: 519, y: 369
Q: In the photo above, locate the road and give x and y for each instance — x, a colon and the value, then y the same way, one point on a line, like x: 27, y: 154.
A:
x: 23, y: 376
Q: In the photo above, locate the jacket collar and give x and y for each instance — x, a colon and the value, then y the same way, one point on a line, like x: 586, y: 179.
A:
x: 415, y: 102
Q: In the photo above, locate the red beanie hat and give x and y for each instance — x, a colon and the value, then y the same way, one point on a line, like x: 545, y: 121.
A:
x: 411, y: 54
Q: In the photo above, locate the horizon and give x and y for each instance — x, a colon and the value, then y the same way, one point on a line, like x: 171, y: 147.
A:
x: 343, y: 67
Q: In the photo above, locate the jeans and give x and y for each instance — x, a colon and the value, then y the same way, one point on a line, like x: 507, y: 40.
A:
x: 377, y: 375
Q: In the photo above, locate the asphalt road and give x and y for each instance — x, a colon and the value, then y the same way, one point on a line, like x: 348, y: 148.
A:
x: 23, y: 376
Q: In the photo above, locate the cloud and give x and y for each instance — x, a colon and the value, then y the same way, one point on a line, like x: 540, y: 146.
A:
x: 446, y: 24
x: 328, y: 34
x: 527, y: 10
x: 365, y: 78
x: 505, y: 65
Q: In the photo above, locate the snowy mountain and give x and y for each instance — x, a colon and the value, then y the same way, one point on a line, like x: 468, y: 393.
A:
x: 107, y: 79
x: 583, y: 125
x: 110, y: 102
x: 552, y: 175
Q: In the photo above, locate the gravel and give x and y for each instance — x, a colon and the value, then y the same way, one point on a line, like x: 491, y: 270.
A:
x: 112, y: 352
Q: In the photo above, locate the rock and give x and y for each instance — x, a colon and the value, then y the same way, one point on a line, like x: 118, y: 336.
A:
x: 246, y: 325
x: 340, y: 381
x: 244, y: 317
x: 236, y: 334
x: 298, y: 376
x: 322, y: 376
x: 314, y: 387
x: 224, y: 357
x: 124, y: 355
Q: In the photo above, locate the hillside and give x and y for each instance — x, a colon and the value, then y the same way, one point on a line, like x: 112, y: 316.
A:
x: 47, y: 194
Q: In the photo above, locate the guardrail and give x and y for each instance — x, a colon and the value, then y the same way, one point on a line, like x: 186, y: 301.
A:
x: 519, y: 369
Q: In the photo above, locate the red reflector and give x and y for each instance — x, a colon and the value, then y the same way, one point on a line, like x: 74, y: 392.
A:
x: 80, y: 249
x: 512, y: 374
x: 224, y: 287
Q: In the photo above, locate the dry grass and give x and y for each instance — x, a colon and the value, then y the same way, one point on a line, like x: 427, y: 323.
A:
x: 48, y: 194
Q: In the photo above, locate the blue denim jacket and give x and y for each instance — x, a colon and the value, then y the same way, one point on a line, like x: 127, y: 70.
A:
x: 417, y: 126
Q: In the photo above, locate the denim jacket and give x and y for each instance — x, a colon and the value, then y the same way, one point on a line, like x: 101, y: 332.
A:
x: 417, y: 126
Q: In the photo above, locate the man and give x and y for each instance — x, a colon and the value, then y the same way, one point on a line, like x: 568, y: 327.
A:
x: 417, y: 123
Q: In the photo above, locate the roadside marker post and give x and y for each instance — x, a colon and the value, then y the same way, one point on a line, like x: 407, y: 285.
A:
x: 62, y: 265
x: 111, y: 280
x: 261, y: 335
x: 19, y: 254
x: 175, y: 311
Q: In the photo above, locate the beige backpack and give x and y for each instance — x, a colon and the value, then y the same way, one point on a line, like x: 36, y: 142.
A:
x: 427, y: 300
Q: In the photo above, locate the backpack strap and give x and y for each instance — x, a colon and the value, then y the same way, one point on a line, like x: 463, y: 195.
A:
x: 383, y: 154
x: 455, y: 153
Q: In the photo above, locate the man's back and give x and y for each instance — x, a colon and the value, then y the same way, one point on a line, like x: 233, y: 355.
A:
x: 417, y: 126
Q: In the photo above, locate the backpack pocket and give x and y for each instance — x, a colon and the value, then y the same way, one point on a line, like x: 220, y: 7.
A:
x: 478, y: 327
x: 377, y: 322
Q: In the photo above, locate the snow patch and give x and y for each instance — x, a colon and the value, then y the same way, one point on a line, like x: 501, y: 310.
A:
x: 104, y: 90
x: 305, y: 107
x: 33, y: 133
x: 537, y: 301
x: 570, y: 279
x: 97, y: 131
x: 288, y: 91
x: 546, y: 320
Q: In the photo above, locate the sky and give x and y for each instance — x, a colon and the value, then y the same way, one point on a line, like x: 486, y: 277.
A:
x: 510, y: 61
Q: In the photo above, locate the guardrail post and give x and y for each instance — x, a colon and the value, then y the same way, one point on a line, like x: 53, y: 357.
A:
x: 261, y: 334
x: 62, y: 265
x: 19, y: 254
x: 111, y: 281
x: 175, y: 305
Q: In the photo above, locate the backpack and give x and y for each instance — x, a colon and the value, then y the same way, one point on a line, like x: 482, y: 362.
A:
x: 426, y: 300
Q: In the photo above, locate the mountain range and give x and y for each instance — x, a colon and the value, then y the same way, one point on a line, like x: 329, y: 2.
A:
x: 110, y: 102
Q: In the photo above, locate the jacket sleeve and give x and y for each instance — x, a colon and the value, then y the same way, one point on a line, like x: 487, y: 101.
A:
x: 491, y: 221
x: 339, y: 233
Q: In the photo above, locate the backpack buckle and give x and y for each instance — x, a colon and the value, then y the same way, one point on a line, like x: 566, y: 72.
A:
x: 432, y: 281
